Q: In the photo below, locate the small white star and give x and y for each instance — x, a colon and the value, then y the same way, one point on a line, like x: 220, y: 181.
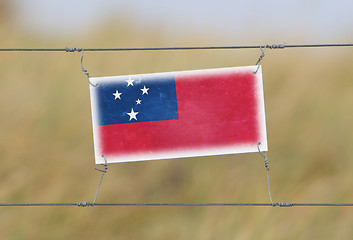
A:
x: 144, y: 90
x: 130, y: 82
x: 132, y: 114
x: 117, y: 94
x: 138, y: 101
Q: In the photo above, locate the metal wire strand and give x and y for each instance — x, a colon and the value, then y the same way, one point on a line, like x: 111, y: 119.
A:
x: 260, y: 59
x: 270, y: 46
x: 83, y: 69
x: 103, y: 172
x: 263, y: 154
x: 86, y: 204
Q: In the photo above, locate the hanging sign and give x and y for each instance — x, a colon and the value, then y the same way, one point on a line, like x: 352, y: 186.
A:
x: 178, y: 114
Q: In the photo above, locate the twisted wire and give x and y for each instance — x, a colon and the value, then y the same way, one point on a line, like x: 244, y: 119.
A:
x: 82, y: 67
x: 263, y: 154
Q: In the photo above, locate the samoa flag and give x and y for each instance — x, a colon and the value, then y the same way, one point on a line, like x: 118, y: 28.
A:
x: 178, y: 114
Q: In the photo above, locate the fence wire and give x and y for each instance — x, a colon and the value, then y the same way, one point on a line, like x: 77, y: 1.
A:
x: 268, y: 46
x: 89, y: 204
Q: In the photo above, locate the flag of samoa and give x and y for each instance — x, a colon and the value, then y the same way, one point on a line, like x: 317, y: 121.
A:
x: 178, y: 114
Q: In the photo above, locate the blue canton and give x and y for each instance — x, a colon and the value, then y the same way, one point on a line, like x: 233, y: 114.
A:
x: 140, y: 99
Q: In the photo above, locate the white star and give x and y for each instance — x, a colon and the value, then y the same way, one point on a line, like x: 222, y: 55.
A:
x: 138, y: 101
x: 144, y: 90
x: 132, y: 114
x: 130, y: 82
x: 117, y: 94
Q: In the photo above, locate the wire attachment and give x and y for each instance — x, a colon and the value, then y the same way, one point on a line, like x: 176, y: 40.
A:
x: 103, y: 172
x: 263, y: 48
x: 68, y: 49
x: 276, y: 46
x: 260, y: 58
x: 285, y: 204
x: 263, y: 154
x: 83, y: 69
x: 84, y: 204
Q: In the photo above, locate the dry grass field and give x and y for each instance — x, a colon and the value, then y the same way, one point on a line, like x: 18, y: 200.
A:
x: 46, y: 146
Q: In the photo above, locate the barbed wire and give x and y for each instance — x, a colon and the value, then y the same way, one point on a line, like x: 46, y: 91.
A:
x: 271, y: 46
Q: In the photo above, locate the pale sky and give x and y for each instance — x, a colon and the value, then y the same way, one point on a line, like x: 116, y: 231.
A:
x: 316, y: 21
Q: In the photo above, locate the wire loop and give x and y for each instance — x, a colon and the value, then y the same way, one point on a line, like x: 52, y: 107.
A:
x: 263, y: 48
x: 83, y: 69
x: 260, y: 59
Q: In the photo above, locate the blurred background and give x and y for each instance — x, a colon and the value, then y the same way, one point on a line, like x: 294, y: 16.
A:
x: 46, y: 139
